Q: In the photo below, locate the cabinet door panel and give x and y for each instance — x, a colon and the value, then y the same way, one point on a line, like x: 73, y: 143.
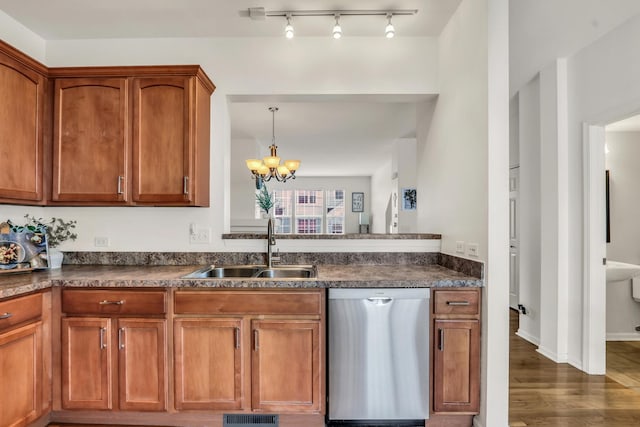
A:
x: 162, y: 140
x: 142, y: 376
x: 86, y: 359
x: 456, y: 365
x: 208, y: 364
x: 90, y: 140
x: 286, y: 365
x: 20, y: 375
x: 21, y: 114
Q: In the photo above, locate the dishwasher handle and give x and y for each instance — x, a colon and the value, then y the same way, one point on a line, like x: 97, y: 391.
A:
x: 380, y: 300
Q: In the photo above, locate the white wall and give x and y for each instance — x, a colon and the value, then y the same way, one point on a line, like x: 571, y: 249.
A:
x: 453, y: 158
x: 237, y: 66
x: 623, y: 313
x: 553, y: 211
x: 381, y: 191
x: 514, y: 131
x: 455, y: 171
x: 530, y: 252
x: 602, y: 86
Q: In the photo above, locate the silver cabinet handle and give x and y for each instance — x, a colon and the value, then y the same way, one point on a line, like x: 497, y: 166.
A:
x: 5, y: 315
x: 237, y: 343
x: 120, y: 180
x: 185, y: 184
x: 458, y: 303
x: 380, y: 300
x: 120, y: 338
x: 255, y: 340
x: 441, y: 339
x: 102, y: 343
x: 107, y: 302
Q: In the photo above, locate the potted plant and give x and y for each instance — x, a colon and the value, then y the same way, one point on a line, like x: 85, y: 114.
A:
x: 57, y: 231
x: 265, y: 201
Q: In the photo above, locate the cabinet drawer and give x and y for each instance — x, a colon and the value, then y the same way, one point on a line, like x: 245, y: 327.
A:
x: 456, y: 302
x: 113, y: 302
x: 248, y: 302
x: 20, y: 310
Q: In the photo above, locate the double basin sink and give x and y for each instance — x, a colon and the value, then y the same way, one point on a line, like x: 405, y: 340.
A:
x: 254, y: 271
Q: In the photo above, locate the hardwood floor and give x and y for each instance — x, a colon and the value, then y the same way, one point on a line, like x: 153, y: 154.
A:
x: 543, y: 393
x: 623, y: 363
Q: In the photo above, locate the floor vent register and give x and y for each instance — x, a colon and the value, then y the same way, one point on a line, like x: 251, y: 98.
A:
x: 250, y: 420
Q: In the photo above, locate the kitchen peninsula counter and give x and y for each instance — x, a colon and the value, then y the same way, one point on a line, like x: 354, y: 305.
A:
x: 329, y: 276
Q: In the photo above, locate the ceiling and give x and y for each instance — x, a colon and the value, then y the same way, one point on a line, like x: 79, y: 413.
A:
x: 632, y: 124
x: 542, y: 30
x: 82, y: 19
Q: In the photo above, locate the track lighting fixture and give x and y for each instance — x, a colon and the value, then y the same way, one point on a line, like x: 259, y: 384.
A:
x: 337, y: 30
x: 288, y: 29
x: 389, y: 31
x: 259, y: 13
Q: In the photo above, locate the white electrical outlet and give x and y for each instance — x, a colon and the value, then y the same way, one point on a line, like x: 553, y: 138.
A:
x: 101, y: 242
x: 472, y: 249
x: 460, y: 247
x: 200, y: 236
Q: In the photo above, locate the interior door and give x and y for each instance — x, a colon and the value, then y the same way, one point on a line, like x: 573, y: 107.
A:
x: 514, y: 237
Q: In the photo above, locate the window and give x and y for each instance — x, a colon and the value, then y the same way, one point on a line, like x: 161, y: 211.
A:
x: 308, y: 211
x: 335, y: 211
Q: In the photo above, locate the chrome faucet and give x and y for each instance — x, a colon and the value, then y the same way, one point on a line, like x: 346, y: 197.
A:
x: 271, y: 241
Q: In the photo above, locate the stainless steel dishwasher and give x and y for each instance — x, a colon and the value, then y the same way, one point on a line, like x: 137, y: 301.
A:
x: 378, y: 357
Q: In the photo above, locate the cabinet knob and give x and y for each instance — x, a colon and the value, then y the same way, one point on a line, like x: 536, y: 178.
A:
x: 185, y: 185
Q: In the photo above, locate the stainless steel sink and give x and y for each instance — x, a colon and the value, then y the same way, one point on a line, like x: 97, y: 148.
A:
x: 254, y: 271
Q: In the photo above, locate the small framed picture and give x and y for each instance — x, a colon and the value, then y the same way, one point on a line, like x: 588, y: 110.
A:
x: 409, y: 200
x: 357, y: 202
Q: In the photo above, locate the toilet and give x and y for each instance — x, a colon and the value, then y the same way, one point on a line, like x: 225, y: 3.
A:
x: 635, y: 288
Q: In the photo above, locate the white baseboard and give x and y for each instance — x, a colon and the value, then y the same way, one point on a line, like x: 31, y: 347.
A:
x: 623, y: 336
x: 575, y: 363
x: 527, y: 336
x: 551, y: 355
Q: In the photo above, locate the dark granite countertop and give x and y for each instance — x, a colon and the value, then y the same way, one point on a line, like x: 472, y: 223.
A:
x: 329, y: 276
x: 348, y: 236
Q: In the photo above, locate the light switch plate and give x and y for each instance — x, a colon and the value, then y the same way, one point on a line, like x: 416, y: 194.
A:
x: 101, y: 242
x: 472, y: 249
x: 200, y: 236
x: 460, y: 247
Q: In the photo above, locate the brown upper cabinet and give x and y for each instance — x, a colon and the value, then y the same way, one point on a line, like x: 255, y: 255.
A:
x: 22, y: 107
x: 131, y: 136
x: 90, y: 140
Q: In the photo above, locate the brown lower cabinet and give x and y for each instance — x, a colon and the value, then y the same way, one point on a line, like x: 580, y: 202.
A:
x: 255, y: 351
x: 456, y: 352
x: 114, y: 360
x: 20, y: 373
x: 21, y: 360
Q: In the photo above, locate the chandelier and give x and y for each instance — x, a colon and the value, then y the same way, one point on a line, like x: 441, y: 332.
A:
x: 270, y: 167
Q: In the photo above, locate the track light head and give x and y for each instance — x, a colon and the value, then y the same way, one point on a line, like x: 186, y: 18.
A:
x: 337, y: 30
x: 288, y: 29
x: 389, y: 31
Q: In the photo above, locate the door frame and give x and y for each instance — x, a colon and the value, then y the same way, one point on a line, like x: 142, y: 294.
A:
x: 595, y: 251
